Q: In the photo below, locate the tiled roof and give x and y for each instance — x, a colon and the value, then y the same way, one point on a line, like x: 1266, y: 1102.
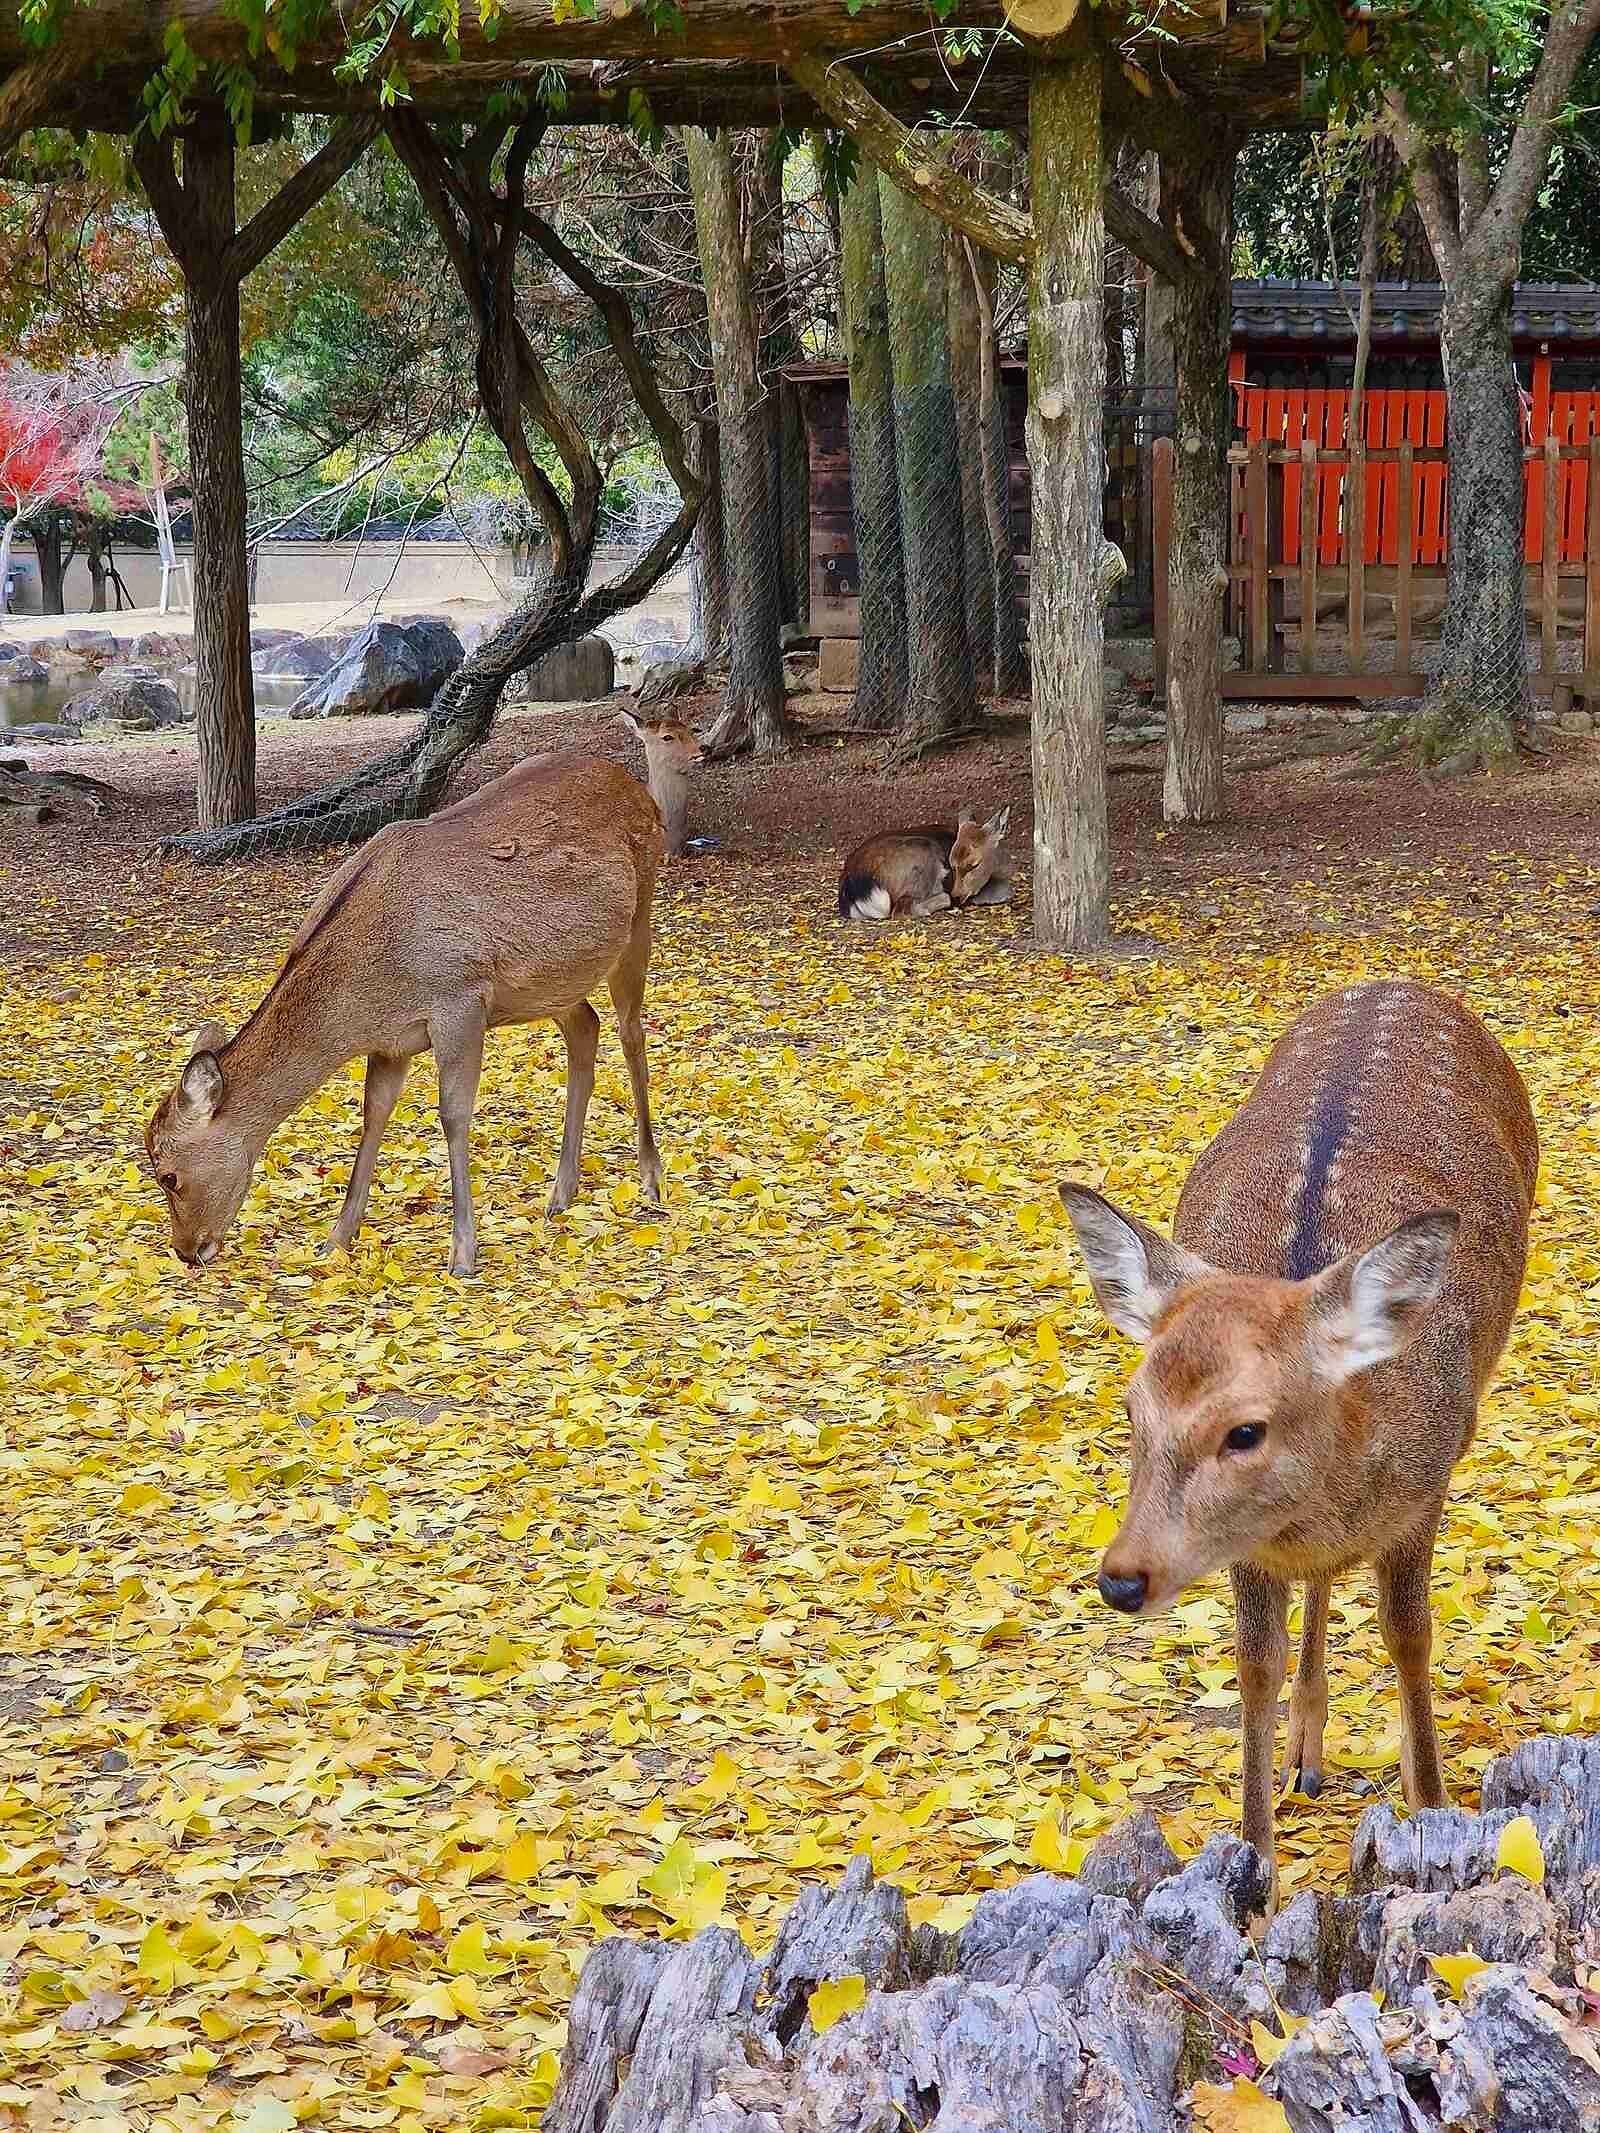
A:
x: 1402, y: 311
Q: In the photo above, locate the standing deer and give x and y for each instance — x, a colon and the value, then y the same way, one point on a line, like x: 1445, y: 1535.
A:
x: 1346, y: 1262
x: 914, y: 873
x: 671, y: 752
x: 511, y: 906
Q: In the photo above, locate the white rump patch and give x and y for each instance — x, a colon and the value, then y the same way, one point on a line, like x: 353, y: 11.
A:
x: 875, y: 904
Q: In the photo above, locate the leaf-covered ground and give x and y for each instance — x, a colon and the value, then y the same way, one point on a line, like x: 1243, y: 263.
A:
x: 372, y: 1642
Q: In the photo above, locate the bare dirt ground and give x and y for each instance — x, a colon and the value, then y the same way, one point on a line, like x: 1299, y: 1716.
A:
x: 783, y: 825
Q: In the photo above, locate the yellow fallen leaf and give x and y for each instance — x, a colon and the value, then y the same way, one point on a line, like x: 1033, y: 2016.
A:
x: 1239, y: 2108
x: 1456, y: 1969
x: 1519, y: 1850
x: 833, y: 1998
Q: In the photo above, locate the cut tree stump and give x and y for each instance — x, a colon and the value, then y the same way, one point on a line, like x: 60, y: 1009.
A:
x: 1092, y: 2005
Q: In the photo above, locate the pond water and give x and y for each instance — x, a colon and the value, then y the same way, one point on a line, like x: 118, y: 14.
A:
x: 42, y: 702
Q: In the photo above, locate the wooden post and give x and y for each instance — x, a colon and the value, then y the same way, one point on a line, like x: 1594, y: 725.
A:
x: 1276, y: 550
x: 1549, y: 557
x: 1161, y: 531
x: 1066, y: 385
x: 1405, y: 541
x: 1256, y: 483
x: 1308, y: 554
x: 1355, y: 553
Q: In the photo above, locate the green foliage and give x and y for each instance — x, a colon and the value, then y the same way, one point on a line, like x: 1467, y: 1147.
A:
x: 169, y: 88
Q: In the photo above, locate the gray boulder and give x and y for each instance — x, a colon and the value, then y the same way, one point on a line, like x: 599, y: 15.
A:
x: 295, y: 658
x: 43, y: 731
x: 137, y: 700
x: 385, y: 667
x: 22, y: 673
x: 98, y: 646
x: 162, y: 647
x: 572, y: 674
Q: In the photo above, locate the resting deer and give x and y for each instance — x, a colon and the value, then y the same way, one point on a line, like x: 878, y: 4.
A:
x: 914, y: 873
x: 511, y: 906
x: 671, y: 752
x: 1346, y: 1262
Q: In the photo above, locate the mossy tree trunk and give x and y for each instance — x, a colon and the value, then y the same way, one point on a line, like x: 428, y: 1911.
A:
x: 883, y: 679
x: 943, y: 697
x: 966, y: 376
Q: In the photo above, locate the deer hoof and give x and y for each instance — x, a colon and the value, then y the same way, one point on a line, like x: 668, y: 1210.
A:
x: 464, y: 1265
x: 1308, y: 1783
x: 561, y: 1198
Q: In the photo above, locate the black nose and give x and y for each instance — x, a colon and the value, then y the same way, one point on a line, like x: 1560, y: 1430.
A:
x: 1126, y: 1595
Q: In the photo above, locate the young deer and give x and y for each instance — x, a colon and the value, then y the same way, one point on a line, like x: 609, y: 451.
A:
x: 511, y: 906
x: 914, y: 873
x: 1347, y: 1259
x: 671, y: 753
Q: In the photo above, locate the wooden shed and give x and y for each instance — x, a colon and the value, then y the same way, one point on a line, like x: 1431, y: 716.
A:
x: 1293, y: 351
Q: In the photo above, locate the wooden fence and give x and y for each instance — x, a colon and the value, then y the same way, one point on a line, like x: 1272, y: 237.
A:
x: 1325, y: 565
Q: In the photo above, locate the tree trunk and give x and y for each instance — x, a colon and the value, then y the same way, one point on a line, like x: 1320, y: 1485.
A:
x: 1066, y: 362
x: 883, y: 677
x: 225, y: 727
x: 47, y: 546
x: 708, y: 556
x: 1159, y: 375
x: 966, y: 378
x: 1009, y: 675
x: 943, y: 695
x: 753, y: 716
x: 1197, y: 197
x: 1480, y: 693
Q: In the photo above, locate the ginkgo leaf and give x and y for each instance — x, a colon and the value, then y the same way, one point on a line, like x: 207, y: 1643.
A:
x: 268, y: 2114
x: 834, y: 1998
x: 1455, y: 1970
x: 1519, y: 1851
x: 1239, y: 2108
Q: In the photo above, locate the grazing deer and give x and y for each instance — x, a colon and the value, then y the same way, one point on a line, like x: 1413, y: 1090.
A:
x: 1347, y: 1258
x: 511, y: 906
x: 671, y: 752
x: 914, y: 873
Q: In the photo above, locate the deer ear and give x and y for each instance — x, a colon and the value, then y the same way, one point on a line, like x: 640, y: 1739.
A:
x: 1371, y: 1305
x: 630, y: 721
x: 200, y: 1089
x: 995, y: 827
x: 1136, y: 1271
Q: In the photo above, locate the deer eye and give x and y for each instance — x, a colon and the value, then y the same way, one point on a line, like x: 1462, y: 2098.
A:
x: 1245, y: 1437
x: 168, y: 1180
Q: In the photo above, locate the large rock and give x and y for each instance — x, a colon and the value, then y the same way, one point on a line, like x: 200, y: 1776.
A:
x: 295, y: 658
x: 98, y: 647
x: 22, y: 672
x: 573, y: 673
x: 137, y: 700
x: 388, y: 666
x: 162, y: 647
x: 42, y: 730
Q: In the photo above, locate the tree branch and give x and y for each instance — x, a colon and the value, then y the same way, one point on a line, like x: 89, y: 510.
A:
x: 158, y: 174
x: 993, y: 223
x: 1147, y: 240
x: 1427, y: 186
x: 1497, y: 234
x: 29, y: 91
x: 298, y: 195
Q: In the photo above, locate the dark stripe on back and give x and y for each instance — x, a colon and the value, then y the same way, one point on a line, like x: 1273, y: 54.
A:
x: 1307, y: 1252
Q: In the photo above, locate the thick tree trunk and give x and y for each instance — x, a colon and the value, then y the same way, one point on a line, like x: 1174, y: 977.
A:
x: 943, y: 695
x: 966, y: 377
x: 225, y: 727
x: 1480, y: 693
x: 52, y: 570
x: 1159, y: 376
x: 883, y: 680
x: 1066, y: 362
x: 1197, y: 196
x: 753, y: 716
x: 708, y: 556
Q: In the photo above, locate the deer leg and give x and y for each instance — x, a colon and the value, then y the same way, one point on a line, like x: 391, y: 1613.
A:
x: 457, y: 1034
x: 1262, y: 1607
x: 1406, y: 1620
x: 386, y: 1077
x: 627, y: 994
x: 1308, y: 1700
x: 997, y: 890
x: 929, y: 906
x: 580, y: 1026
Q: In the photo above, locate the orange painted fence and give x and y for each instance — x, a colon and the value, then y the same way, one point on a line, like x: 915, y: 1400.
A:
x: 1326, y: 562
x: 1292, y: 416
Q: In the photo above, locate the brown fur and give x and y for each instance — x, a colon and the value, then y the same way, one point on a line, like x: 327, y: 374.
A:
x: 913, y: 873
x: 671, y: 753
x: 1319, y: 1289
x: 511, y: 906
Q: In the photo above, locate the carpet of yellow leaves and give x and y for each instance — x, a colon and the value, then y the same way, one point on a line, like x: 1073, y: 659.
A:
x: 373, y: 1642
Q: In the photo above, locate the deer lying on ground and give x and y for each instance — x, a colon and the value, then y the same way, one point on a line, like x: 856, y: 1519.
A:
x: 511, y: 906
x: 671, y: 752
x: 1346, y: 1262
x: 914, y: 873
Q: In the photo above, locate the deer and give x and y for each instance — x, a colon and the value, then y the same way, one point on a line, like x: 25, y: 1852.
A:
x: 671, y: 752
x: 512, y: 905
x: 1318, y: 1332
x: 914, y: 873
